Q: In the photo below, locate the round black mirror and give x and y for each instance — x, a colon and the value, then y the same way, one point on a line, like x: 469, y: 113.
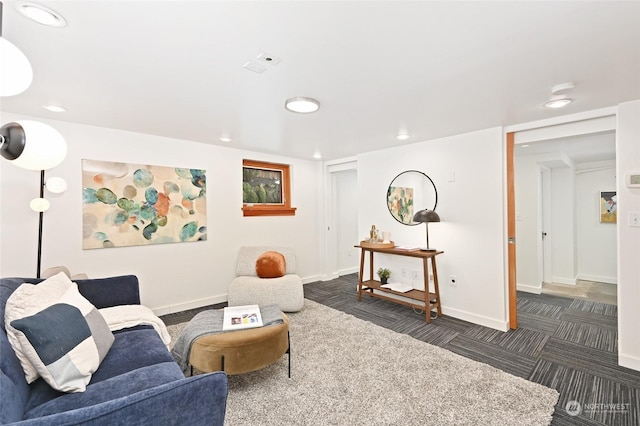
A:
x: 408, y: 193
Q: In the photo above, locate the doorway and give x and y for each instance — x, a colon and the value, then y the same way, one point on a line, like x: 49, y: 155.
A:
x: 342, y: 219
x: 517, y: 137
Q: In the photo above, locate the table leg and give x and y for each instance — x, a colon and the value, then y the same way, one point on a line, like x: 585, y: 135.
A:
x: 360, y: 276
x: 427, y: 303
x: 435, y: 285
x: 371, y: 265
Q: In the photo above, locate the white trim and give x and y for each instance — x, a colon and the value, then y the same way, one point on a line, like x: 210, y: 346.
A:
x: 170, y: 309
x: 329, y: 277
x: 629, y: 361
x: 565, y: 280
x: 341, y: 164
x: 496, y: 324
x: 564, y: 119
x: 529, y: 288
x: 311, y: 279
x: 348, y: 271
x: 330, y: 264
x: 598, y: 278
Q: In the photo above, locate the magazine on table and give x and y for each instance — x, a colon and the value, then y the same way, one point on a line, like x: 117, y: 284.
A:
x: 239, y: 317
x: 399, y: 287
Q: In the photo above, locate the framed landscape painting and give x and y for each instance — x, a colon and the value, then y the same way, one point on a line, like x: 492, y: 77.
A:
x: 134, y: 204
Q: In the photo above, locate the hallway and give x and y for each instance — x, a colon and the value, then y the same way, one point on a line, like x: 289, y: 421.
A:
x: 584, y: 290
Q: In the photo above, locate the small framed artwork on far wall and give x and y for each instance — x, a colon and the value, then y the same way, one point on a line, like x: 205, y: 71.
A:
x: 608, y: 207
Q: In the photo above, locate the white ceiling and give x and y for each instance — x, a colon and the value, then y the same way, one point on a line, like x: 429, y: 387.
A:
x: 175, y: 68
x: 580, y: 149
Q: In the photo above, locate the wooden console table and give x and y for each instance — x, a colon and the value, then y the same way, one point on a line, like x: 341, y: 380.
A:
x: 429, y: 301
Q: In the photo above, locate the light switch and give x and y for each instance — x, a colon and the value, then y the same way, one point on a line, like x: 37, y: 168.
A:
x: 634, y: 218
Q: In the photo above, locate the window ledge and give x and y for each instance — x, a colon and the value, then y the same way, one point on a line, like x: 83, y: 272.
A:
x: 268, y: 211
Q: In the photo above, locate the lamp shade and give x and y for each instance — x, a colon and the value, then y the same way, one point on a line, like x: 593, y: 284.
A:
x: 15, y: 70
x: 32, y: 145
x: 56, y: 185
x: 39, y: 205
x: 426, y: 215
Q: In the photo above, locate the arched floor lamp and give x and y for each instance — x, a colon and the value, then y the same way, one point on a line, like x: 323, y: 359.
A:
x: 35, y: 146
x: 28, y: 144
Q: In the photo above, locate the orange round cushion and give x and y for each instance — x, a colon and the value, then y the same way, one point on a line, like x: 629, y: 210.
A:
x: 271, y: 264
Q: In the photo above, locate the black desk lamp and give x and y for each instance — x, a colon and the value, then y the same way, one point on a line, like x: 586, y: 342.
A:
x: 426, y: 216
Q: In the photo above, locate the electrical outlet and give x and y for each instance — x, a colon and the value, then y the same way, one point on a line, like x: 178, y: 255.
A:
x: 431, y: 277
x: 403, y: 273
x: 414, y: 274
x: 453, y: 281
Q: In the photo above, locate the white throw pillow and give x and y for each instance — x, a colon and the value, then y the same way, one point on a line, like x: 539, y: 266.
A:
x: 27, y: 300
x: 65, y: 342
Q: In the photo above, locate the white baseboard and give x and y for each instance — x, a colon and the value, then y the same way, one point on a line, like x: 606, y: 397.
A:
x: 170, y: 309
x: 598, y: 279
x: 348, y: 271
x: 463, y: 315
x: 564, y: 280
x: 629, y: 362
x: 312, y: 279
x: 529, y: 288
x: 476, y: 319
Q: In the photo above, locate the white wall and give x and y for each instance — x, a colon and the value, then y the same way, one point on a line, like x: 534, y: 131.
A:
x: 597, y: 254
x: 173, y: 277
x: 628, y: 160
x: 562, y: 229
x: 468, y: 171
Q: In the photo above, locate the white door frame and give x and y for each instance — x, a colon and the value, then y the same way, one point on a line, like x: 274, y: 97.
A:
x: 330, y: 264
x: 545, y: 269
x: 594, y: 121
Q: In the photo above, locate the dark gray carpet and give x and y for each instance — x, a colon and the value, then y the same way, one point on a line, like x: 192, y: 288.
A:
x: 565, y: 344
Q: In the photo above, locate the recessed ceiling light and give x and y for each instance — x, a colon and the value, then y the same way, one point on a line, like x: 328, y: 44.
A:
x: 226, y: 139
x: 302, y: 105
x: 41, y: 14
x: 403, y: 136
x: 557, y: 103
x: 54, y: 108
x: 524, y: 146
x: 317, y: 156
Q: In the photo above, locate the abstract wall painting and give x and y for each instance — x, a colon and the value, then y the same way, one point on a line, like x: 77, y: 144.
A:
x: 400, y: 202
x: 608, y: 207
x: 134, y: 204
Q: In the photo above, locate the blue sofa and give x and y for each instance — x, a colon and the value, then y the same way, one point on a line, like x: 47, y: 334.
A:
x: 138, y: 382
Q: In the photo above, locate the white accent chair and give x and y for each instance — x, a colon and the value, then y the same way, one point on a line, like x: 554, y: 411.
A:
x: 249, y: 289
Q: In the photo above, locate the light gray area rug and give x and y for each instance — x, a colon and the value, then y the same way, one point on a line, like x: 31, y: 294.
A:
x: 346, y: 371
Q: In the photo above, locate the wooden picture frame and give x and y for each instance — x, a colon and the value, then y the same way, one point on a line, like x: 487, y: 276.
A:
x: 266, y: 189
x: 608, y: 207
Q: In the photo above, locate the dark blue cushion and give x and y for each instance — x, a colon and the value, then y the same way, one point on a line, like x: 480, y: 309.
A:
x: 14, y: 390
x: 111, y: 291
x: 132, y: 349
x: 113, y: 388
